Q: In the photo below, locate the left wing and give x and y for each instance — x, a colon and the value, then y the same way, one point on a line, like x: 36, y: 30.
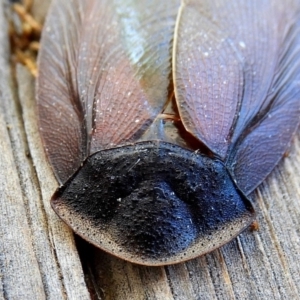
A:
x: 104, y: 75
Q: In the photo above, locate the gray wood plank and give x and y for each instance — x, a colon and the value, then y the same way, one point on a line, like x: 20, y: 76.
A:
x: 31, y: 266
x: 60, y: 238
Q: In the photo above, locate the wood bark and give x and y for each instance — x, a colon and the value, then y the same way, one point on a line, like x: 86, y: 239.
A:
x: 40, y: 260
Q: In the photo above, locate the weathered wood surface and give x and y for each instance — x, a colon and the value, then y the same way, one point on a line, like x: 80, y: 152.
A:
x: 38, y: 256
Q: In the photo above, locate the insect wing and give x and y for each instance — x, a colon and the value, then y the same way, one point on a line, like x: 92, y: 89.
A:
x: 61, y: 114
x: 104, y: 75
x: 236, y: 66
x: 265, y: 142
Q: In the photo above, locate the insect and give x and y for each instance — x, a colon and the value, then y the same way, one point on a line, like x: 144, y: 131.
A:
x: 159, y: 118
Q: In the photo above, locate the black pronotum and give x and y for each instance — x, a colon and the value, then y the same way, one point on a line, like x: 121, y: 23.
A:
x: 160, y: 117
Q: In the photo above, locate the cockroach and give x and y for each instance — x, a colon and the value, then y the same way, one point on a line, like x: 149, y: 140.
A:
x: 159, y: 118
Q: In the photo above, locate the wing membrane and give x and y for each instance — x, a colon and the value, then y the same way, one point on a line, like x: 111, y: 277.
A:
x: 61, y: 113
x: 104, y: 75
x: 236, y: 66
x: 265, y: 142
x: 224, y: 61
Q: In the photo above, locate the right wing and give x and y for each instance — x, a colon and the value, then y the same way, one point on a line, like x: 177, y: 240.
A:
x: 236, y: 70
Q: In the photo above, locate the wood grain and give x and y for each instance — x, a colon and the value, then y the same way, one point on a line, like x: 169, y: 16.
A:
x: 38, y: 256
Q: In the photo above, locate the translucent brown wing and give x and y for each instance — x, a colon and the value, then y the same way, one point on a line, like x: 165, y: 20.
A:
x: 104, y: 73
x: 264, y: 142
x: 60, y: 111
x: 236, y: 72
